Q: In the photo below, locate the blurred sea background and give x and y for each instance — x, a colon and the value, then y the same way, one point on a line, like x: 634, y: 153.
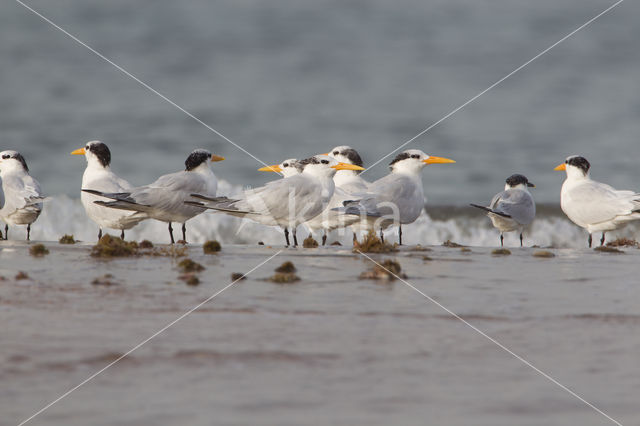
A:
x: 295, y: 78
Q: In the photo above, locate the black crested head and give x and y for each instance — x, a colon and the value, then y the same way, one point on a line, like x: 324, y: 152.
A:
x: 300, y: 165
x: 353, y: 157
x: 196, y: 158
x: 101, y: 151
x: 579, y: 162
x: 20, y: 158
x: 515, y: 180
x: 399, y: 157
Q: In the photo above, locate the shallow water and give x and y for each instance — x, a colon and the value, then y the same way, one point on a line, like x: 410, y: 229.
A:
x: 329, y: 349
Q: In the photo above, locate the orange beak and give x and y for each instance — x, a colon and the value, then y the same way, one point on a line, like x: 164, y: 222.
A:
x: 216, y: 158
x: 562, y: 166
x: 79, y: 151
x: 437, y: 160
x: 275, y: 168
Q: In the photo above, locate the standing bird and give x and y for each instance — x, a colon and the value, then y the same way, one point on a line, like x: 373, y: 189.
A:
x: 348, y: 180
x: 593, y: 205
x: 164, y: 199
x: 397, y: 198
x: 513, y: 208
x: 20, y: 196
x: 286, y: 202
x: 99, y: 177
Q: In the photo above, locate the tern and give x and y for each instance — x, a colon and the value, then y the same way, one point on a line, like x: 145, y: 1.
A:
x: 20, y: 196
x: 397, y: 198
x: 592, y: 205
x: 512, y: 209
x: 99, y: 177
x: 286, y: 168
x: 164, y: 199
x: 286, y: 202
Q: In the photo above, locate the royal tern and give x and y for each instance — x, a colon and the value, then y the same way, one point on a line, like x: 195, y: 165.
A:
x: 397, y: 198
x: 164, y: 199
x: 20, y: 196
x: 513, y: 208
x: 285, y: 202
x: 593, y: 205
x: 99, y: 177
x: 286, y: 168
x: 347, y: 183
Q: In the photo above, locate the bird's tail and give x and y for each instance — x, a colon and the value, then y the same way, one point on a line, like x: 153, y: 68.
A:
x: 121, y: 201
x: 488, y: 210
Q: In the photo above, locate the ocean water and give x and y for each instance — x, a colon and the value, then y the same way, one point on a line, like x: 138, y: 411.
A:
x: 293, y: 78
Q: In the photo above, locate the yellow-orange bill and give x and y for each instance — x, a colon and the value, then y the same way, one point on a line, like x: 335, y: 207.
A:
x: 561, y: 167
x: 216, y: 157
x: 79, y: 151
x: 345, y: 166
x: 437, y: 160
x: 275, y: 168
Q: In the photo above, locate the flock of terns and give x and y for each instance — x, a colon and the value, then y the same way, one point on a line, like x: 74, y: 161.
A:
x: 323, y: 192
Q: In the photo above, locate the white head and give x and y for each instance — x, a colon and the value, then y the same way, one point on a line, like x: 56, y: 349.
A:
x: 518, y: 182
x: 413, y: 160
x: 323, y: 166
x: 348, y: 155
x: 96, y: 153
x: 11, y: 161
x: 577, y: 167
x: 286, y: 168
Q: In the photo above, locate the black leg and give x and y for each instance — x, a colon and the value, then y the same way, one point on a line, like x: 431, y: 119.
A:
x: 602, y: 240
x: 501, y: 240
x: 171, y: 233
x: 122, y: 235
x: 295, y: 238
x: 286, y: 235
x: 6, y: 232
x: 29, y: 232
x: 324, y: 238
x: 400, y: 235
x: 355, y: 239
x: 184, y: 232
x: 590, y: 240
x: 99, y: 233
x: 381, y: 236
x: 520, y: 239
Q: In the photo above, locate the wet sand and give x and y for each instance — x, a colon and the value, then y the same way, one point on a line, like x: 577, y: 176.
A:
x: 328, y: 349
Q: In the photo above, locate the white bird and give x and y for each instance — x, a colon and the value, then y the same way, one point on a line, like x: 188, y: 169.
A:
x: 164, y: 199
x: 593, y: 205
x: 512, y: 209
x: 99, y: 177
x: 397, y: 198
x: 286, y: 202
x: 20, y: 196
x: 348, y: 183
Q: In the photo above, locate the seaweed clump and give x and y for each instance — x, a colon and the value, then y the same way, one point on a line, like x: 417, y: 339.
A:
x: 309, y: 242
x: 188, y: 265
x: 238, y: 276
x: 501, y: 252
x: 67, y: 239
x: 452, y: 244
x: 38, y: 250
x: 109, y: 246
x: 388, y: 270
x: 372, y: 244
x: 190, y: 278
x: 211, y: 247
x: 145, y: 244
x: 623, y: 242
x: 105, y: 280
x: 285, y: 274
x: 607, y: 249
x: 22, y: 276
x: 543, y: 254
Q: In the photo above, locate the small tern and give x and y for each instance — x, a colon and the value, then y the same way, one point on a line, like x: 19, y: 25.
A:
x: 592, y: 205
x: 99, y: 177
x: 20, y: 196
x: 164, y: 199
x: 512, y: 209
x: 286, y: 202
x: 397, y: 198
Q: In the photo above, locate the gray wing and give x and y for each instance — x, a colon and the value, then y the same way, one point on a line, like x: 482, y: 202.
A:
x: 596, y: 202
x: 515, y: 203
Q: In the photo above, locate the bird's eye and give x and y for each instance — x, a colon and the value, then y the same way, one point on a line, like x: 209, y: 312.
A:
x: 88, y: 148
x: 415, y: 156
x: 335, y: 153
x: 6, y: 156
x: 285, y: 164
x: 325, y: 162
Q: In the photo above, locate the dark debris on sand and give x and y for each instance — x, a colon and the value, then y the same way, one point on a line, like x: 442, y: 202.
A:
x: 38, y: 250
x: 286, y: 268
x: 211, y: 247
x: 21, y: 275
x: 109, y: 246
x: 145, y: 244
x: 188, y: 265
x: 607, y: 249
x: 285, y: 274
x: 543, y: 254
x: 105, y: 280
x: 388, y: 270
x: 372, y: 244
x: 309, y: 242
x: 501, y: 252
x: 190, y: 278
x: 237, y: 276
x: 623, y: 242
x: 67, y: 239
x: 452, y: 244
